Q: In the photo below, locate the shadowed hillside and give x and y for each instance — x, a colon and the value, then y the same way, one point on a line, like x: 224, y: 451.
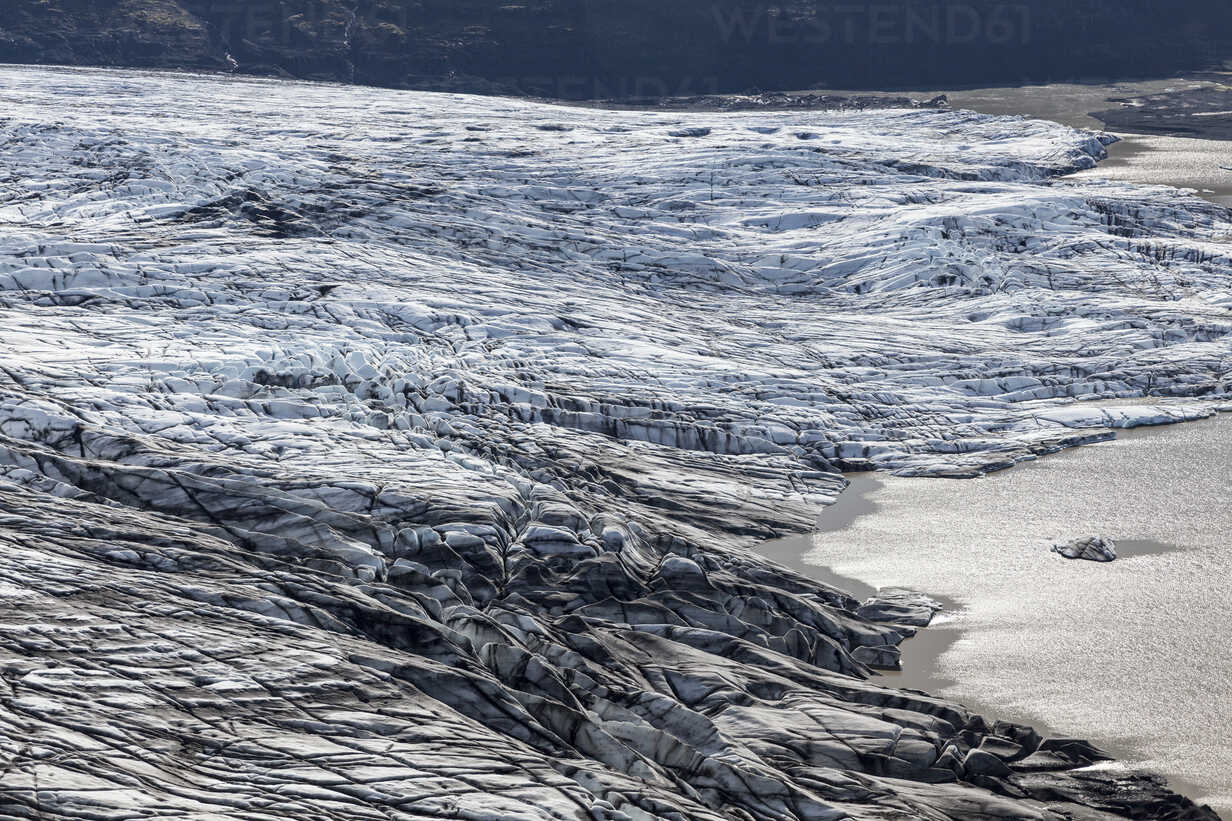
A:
x: 604, y: 48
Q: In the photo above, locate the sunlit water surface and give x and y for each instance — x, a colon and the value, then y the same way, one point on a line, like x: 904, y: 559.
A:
x: 1132, y: 654
x: 1203, y: 165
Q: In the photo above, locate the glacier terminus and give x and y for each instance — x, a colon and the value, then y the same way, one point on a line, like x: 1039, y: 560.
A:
x: 372, y: 454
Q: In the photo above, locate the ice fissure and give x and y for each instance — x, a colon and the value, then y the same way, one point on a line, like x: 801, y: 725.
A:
x: 372, y: 454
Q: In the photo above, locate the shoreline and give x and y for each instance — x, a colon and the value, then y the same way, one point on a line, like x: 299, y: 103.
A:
x: 920, y: 655
x: 1200, y: 160
x: 455, y: 443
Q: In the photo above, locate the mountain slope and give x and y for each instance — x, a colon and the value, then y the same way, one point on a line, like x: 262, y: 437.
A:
x: 598, y: 49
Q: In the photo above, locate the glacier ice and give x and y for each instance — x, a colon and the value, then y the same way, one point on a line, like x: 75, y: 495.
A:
x: 375, y: 454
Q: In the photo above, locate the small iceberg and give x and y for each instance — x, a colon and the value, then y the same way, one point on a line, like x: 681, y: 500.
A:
x: 1093, y: 548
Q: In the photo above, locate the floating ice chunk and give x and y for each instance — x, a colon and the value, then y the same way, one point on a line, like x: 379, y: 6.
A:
x: 1091, y: 548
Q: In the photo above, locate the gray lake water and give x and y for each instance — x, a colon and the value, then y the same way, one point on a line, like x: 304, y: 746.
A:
x: 1132, y: 655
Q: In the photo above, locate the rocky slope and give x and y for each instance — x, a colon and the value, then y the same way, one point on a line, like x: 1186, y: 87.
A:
x: 370, y: 454
x: 591, y: 49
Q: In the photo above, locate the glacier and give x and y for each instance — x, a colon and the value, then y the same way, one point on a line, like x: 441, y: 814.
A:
x: 376, y: 454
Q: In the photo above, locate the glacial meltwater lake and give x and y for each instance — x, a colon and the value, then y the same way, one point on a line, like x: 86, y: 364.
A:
x: 1133, y: 655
